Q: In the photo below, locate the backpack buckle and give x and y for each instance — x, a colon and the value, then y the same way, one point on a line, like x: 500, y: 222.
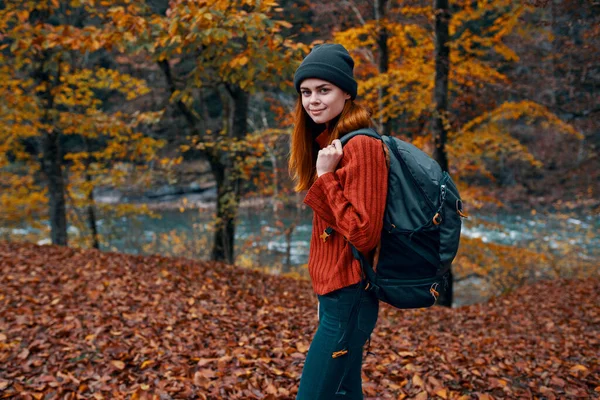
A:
x: 437, y: 219
x: 326, y: 233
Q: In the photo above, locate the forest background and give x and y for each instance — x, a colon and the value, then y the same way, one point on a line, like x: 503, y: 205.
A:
x: 118, y: 115
x: 161, y: 128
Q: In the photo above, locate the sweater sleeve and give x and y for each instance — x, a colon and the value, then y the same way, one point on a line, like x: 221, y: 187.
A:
x: 352, y: 199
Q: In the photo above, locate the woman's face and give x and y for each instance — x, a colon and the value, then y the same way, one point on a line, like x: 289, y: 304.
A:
x: 322, y: 100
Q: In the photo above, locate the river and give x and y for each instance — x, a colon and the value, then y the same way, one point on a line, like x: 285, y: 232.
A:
x: 258, y: 227
x: 259, y: 241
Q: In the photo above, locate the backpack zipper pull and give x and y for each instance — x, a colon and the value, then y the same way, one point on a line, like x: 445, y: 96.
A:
x: 433, y: 290
x: 459, y: 209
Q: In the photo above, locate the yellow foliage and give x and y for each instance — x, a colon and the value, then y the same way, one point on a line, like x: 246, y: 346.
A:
x: 504, y: 268
x: 487, y: 137
x: 527, y: 110
x: 409, y: 82
x: 21, y: 199
x: 76, y: 109
x: 245, y: 47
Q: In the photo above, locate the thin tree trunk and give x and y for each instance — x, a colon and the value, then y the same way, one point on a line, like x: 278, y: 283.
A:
x: 228, y: 178
x: 221, y: 244
x: 92, y: 220
x: 91, y: 213
x: 289, y: 233
x: 442, y: 68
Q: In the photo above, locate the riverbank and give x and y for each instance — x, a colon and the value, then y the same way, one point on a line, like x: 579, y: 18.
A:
x: 204, y: 196
x: 108, y: 325
x: 174, y: 198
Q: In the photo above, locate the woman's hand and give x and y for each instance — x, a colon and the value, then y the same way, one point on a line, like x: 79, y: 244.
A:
x: 329, y: 157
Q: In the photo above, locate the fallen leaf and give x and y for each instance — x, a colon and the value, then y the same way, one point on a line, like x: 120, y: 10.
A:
x: 23, y: 354
x: 417, y: 381
x: 579, y: 370
x: 146, y: 364
x: 558, y: 381
x: 407, y: 354
x: 206, y: 373
x: 302, y: 347
x: 118, y: 364
x: 271, y: 389
x: 205, y: 361
x: 421, y: 396
x: 139, y: 321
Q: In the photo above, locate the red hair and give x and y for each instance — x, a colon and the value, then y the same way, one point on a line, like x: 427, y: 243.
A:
x: 304, y: 149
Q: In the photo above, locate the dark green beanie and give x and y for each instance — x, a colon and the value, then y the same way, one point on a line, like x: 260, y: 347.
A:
x: 330, y: 62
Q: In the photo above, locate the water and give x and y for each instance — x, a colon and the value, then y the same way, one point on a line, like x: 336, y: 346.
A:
x: 257, y: 228
x: 259, y: 235
x: 538, y: 231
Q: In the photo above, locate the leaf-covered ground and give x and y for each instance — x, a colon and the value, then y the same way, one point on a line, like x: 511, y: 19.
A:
x: 86, y: 324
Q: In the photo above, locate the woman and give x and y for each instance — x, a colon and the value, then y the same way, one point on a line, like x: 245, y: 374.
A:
x: 347, y: 192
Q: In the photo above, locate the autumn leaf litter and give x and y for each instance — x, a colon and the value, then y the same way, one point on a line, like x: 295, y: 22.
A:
x: 86, y: 324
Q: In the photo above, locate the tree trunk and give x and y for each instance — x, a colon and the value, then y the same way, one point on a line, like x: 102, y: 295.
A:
x: 383, y: 62
x: 227, y: 174
x: 52, y: 167
x: 442, y: 67
x: 224, y: 229
x: 51, y: 158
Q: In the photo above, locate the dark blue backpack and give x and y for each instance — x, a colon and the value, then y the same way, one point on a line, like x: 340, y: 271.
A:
x: 421, y: 229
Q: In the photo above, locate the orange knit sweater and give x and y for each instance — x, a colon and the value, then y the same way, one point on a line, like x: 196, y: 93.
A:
x: 350, y: 200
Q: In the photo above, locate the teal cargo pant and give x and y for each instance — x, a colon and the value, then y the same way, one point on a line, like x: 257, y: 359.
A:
x: 329, y: 372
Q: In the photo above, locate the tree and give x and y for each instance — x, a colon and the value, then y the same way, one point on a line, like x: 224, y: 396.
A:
x: 467, y: 52
x: 222, y: 51
x: 442, y: 67
x: 55, y: 101
x: 440, y: 99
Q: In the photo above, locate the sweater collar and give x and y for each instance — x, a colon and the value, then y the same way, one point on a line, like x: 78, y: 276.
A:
x: 323, y: 139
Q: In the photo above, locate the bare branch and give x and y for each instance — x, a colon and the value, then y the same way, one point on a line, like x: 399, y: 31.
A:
x: 352, y: 5
x: 189, y: 116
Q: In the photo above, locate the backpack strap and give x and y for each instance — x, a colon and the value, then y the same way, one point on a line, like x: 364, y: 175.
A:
x: 371, y: 133
x: 367, y: 269
x: 365, y: 132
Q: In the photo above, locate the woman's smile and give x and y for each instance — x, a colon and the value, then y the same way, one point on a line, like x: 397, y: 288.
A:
x: 322, y: 100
